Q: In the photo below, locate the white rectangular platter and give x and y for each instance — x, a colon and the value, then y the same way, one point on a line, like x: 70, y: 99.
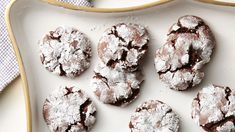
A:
x: 31, y: 19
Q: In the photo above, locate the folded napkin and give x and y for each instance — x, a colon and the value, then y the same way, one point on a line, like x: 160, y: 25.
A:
x: 8, y: 64
x: 79, y: 2
x: 9, y: 69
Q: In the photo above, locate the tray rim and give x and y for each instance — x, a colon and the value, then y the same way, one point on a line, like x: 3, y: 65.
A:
x: 106, y: 10
x: 132, y: 8
x: 72, y: 7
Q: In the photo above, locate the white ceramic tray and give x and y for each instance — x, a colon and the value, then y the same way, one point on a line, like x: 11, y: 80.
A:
x: 29, y: 20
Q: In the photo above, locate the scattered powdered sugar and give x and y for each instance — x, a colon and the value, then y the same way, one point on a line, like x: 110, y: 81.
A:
x: 188, y: 48
x: 65, y: 51
x: 214, y: 108
x: 97, y: 27
x: 122, y: 19
x: 123, y: 45
x: 154, y: 116
x: 69, y: 109
x: 116, y: 87
x: 129, y: 18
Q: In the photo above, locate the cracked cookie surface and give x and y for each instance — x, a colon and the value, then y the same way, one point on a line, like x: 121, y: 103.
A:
x: 68, y: 109
x: 115, y: 87
x: 154, y: 116
x: 188, y: 48
x: 123, y: 46
x: 214, y: 109
x: 65, y: 51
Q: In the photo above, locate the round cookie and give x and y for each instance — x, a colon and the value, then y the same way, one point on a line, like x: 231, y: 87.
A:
x: 69, y: 109
x: 123, y: 45
x: 65, y: 51
x: 154, y: 116
x: 188, y: 48
x: 214, y: 109
x: 115, y: 87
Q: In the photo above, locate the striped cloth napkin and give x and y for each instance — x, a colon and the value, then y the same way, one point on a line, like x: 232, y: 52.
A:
x: 9, y: 69
x: 88, y: 3
x: 8, y: 65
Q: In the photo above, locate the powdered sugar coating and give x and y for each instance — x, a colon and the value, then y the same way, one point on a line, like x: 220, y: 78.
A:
x: 214, y: 109
x: 65, y: 51
x: 188, y: 48
x: 69, y: 109
x: 123, y: 45
x: 116, y: 87
x: 154, y: 116
x: 227, y: 127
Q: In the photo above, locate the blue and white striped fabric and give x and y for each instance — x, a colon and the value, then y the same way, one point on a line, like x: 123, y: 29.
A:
x: 9, y: 69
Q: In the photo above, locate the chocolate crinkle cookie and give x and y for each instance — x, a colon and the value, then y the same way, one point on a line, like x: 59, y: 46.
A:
x: 188, y: 48
x: 123, y: 46
x: 115, y: 87
x: 65, y: 51
x: 154, y: 116
x: 68, y: 109
x: 117, y: 76
x: 214, y: 109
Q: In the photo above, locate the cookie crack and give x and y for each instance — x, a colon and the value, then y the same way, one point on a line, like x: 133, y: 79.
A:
x: 198, y: 100
x: 112, y: 63
x: 167, y: 112
x: 140, y: 109
x: 145, y: 46
x: 187, y: 30
x: 212, y: 126
x: 62, y: 72
x: 69, y: 91
x: 51, y: 36
x: 42, y: 57
x: 76, y: 50
x: 104, y: 79
x: 131, y: 125
x: 227, y: 94
x: 122, y: 101
x: 86, y: 54
x: 130, y: 46
x: 124, y: 55
x: 83, y: 110
x: 191, y: 82
x: 115, y: 33
x: 144, y: 108
x: 70, y: 126
x: 194, y: 57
